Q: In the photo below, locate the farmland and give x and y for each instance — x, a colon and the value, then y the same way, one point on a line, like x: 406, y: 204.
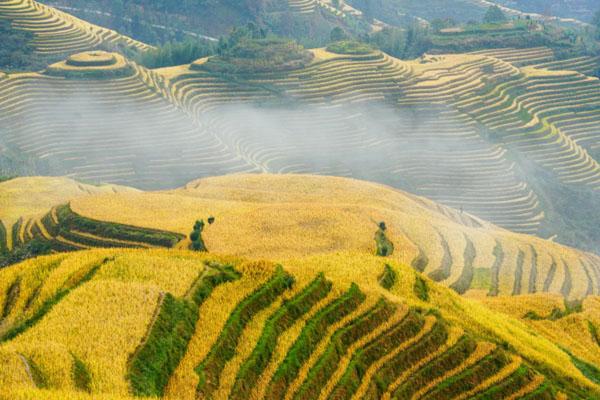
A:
x: 338, y: 294
x: 471, y: 131
x: 300, y: 215
x: 277, y: 221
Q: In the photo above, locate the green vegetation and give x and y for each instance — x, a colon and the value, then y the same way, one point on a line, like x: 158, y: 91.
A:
x: 176, y: 53
x: 388, y: 277
x: 448, y: 361
x: 471, y: 377
x: 48, y: 304
x: 280, y: 321
x: 385, y: 247
x: 338, y: 347
x: 166, y: 343
x: 248, y: 55
x: 421, y: 261
x: 420, y: 288
x: 364, y: 357
x: 211, y: 367
x: 22, y: 252
x: 81, y: 375
x: 443, y: 272
x: 404, y: 360
x: 68, y: 220
x: 592, y: 372
x: 494, y: 15
x: 3, y: 239
x: 571, y: 307
x: 38, y: 376
x: 196, y: 237
x: 12, y: 294
x: 309, y: 338
x: 16, y: 52
x: 594, y: 332
x: 350, y: 47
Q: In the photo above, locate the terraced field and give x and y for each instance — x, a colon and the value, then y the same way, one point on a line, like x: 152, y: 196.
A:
x: 301, y: 215
x: 226, y: 328
x: 57, y: 32
x: 484, y: 119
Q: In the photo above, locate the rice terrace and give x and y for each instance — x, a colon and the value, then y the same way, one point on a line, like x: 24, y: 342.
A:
x: 300, y: 199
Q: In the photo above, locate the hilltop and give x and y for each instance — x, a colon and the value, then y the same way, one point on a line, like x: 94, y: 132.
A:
x: 291, y: 216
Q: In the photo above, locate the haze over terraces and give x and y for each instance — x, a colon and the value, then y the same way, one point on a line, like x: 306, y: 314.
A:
x: 473, y: 131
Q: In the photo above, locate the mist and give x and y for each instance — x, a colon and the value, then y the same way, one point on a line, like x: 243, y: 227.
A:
x: 429, y: 150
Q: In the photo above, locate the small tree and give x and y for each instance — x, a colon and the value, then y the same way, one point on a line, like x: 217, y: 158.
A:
x: 494, y: 15
x: 337, y: 34
x: 196, y: 237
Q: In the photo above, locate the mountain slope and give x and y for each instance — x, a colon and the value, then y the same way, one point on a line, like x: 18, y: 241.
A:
x: 57, y: 32
x: 212, y: 329
x: 291, y: 216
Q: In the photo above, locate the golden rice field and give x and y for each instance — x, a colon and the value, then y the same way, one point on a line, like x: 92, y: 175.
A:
x: 95, y: 313
x: 291, y: 216
x: 56, y: 32
x: 32, y: 197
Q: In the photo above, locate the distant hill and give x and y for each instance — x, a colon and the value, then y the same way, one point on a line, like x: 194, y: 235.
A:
x: 579, y: 9
x: 56, y: 32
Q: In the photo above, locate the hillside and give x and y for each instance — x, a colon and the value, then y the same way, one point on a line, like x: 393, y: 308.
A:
x: 56, y: 32
x: 183, y: 325
x: 292, y: 216
x: 508, y: 129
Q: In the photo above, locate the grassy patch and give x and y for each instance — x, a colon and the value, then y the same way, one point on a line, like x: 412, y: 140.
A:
x: 350, y: 47
x: 444, y: 270
x: 281, y: 320
x: 590, y: 371
x: 151, y: 366
x: 505, y: 388
x: 338, y: 346
x: 446, y: 362
x: 309, y: 338
x: 22, y: 252
x: 388, y: 277
x: 154, y: 363
x: 39, y: 378
x: 81, y: 375
x: 471, y: 377
x: 211, y: 367
x: 594, y: 332
x: 420, y: 288
x: 495, y: 272
x: 258, y: 55
x: 364, y: 357
x: 12, y: 294
x: 393, y: 368
x: 69, y: 220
